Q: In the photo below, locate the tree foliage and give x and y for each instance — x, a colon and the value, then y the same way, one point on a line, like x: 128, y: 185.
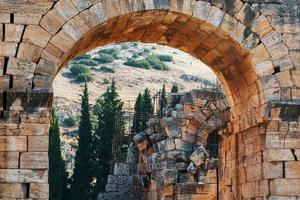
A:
x: 82, y: 176
x: 57, y: 167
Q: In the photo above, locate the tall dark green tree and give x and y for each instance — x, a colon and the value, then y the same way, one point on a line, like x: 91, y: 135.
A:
x: 148, y: 108
x: 82, y: 175
x: 57, y: 166
x: 175, y: 88
x: 109, y: 107
x: 163, y: 97
x: 138, y: 115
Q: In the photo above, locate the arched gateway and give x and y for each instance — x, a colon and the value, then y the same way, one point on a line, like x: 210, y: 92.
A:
x: 252, y: 50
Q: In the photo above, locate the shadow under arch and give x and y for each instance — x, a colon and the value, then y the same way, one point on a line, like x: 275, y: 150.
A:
x: 214, y: 46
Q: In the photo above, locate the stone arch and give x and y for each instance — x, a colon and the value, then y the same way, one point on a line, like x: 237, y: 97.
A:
x: 257, y: 65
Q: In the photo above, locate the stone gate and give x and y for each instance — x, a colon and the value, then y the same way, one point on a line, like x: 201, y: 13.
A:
x: 252, y: 46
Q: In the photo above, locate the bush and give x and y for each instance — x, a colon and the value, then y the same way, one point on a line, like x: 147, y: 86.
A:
x: 107, y: 69
x: 125, y: 46
x: 79, y: 69
x: 147, y: 51
x: 135, y: 44
x: 156, y: 63
x: 137, y: 63
x: 84, y: 77
x: 104, y: 58
x: 135, y: 55
x: 83, y: 57
x: 70, y: 122
x: 112, y: 52
x: 105, y: 81
x: 90, y: 62
x: 165, y: 58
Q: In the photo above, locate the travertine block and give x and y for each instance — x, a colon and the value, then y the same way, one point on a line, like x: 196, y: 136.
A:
x: 292, y: 169
x: 66, y: 9
x: 13, y: 32
x: 34, y: 160
x: 8, y: 49
x: 36, y: 35
x: 29, y: 51
x: 12, y: 191
x: 280, y: 155
x: 28, y: 19
x: 52, y: 21
x: 39, y: 190
x: 285, y: 187
x: 261, y: 26
x: 38, y: 143
x: 13, y: 143
x: 9, y: 160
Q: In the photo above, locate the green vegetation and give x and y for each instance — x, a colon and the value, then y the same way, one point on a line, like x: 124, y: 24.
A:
x: 105, y: 81
x: 156, y: 63
x: 57, y: 166
x: 104, y: 58
x: 70, y: 121
x: 148, y: 108
x: 87, y: 62
x: 81, y: 73
x: 175, y: 88
x: 107, y: 69
x: 135, y: 55
x: 147, y: 51
x: 109, y: 106
x: 138, y: 63
x: 147, y: 63
x: 83, y: 57
x: 165, y: 58
x: 124, y: 46
x: 112, y: 52
x: 163, y: 98
x: 82, y: 176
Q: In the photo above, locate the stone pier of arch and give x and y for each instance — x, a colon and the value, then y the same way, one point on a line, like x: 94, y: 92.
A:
x: 251, y: 45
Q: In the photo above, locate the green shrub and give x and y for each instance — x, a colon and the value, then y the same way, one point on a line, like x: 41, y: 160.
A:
x: 156, y: 63
x: 135, y: 55
x: 125, y: 46
x: 107, y: 69
x: 112, y: 51
x: 135, y: 44
x: 165, y: 58
x: 137, y: 63
x: 141, y: 53
x: 70, y: 122
x: 84, y: 77
x: 79, y: 69
x: 104, y: 58
x: 147, y: 51
x: 90, y: 62
x: 83, y: 57
x: 105, y: 81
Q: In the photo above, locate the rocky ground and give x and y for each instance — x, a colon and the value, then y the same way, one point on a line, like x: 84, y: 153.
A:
x: 184, y: 70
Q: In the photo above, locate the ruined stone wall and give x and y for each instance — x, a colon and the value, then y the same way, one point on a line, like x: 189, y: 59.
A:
x: 252, y: 45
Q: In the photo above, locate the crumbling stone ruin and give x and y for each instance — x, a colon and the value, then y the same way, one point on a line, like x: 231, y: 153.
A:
x: 171, y: 154
x: 251, y: 45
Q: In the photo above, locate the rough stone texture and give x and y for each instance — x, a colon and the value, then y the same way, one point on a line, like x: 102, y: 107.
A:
x: 253, y: 46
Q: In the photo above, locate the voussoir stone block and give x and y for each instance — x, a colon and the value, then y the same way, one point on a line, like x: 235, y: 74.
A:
x: 66, y: 9
x: 36, y: 35
x: 201, y: 10
x: 28, y: 19
x: 52, y: 21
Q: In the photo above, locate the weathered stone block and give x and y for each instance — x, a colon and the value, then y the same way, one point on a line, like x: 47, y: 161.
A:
x: 29, y: 51
x: 34, y: 160
x: 66, y: 9
x: 8, y: 49
x: 38, y: 143
x: 9, y: 160
x: 52, y: 21
x: 13, y: 143
x: 39, y: 190
x: 199, y: 156
x: 292, y: 169
x: 261, y: 26
x: 36, y: 35
x: 201, y: 10
x: 285, y: 187
x: 12, y: 190
x: 280, y: 155
x: 28, y: 19
x: 13, y: 32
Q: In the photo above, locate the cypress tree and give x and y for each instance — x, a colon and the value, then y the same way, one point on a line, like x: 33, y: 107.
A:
x: 148, y: 108
x: 82, y: 176
x: 138, y: 114
x: 175, y: 88
x: 109, y: 106
x: 57, y: 166
x: 163, y: 97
